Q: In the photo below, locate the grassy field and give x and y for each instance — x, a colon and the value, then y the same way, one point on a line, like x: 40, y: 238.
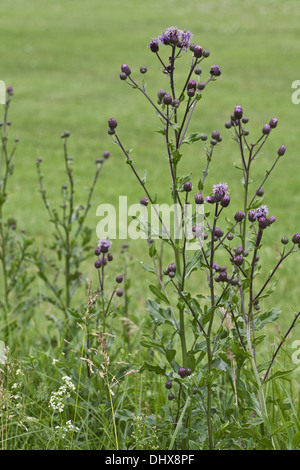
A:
x: 63, y: 61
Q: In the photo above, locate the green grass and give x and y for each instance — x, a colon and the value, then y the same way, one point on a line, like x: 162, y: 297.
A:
x: 63, y: 60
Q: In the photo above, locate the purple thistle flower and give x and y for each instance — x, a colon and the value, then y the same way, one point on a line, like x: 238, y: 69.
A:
x: 262, y: 211
x: 104, y: 245
x: 220, y: 190
x: 153, y: 45
x: 215, y: 71
x: 175, y: 36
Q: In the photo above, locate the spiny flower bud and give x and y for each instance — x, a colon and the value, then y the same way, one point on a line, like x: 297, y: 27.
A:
x: 266, y: 129
x: 172, y: 267
x: 296, y: 238
x: 284, y: 240
x: 119, y: 292
x: 144, y: 201
x: 199, y: 198
x: 281, y: 150
x: 171, y: 396
x: 215, y: 71
x: 239, y: 216
x: 167, y: 99
x: 225, y: 201
x: 238, y: 112
x: 252, y: 215
x: 169, y: 385
x: 161, y: 93
x: 238, y: 260
x: 112, y: 123
x: 260, y: 192
x: 273, y: 123
x: 215, y: 135
x: 263, y: 223
x: 188, y: 186
x: 182, y: 372
x: 198, y: 51
x: 125, y: 68
x: 143, y: 69
x: 191, y: 84
x: 119, y: 278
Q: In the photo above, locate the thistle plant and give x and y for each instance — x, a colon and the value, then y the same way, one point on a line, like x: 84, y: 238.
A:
x: 63, y: 273
x: 217, y: 324
x: 15, y: 280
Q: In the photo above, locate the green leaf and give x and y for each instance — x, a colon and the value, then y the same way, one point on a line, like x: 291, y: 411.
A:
x: 194, y: 137
x: 152, y: 368
x: 281, y: 374
x: 155, y: 290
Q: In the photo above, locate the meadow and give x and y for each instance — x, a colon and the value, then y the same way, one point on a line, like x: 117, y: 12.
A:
x: 63, y: 383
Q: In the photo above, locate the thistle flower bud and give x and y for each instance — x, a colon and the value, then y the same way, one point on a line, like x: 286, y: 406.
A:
x: 263, y: 223
x: 167, y: 99
x: 172, y: 267
x: 199, y: 198
x: 119, y: 278
x: 171, y: 396
x: 228, y: 124
x: 119, y: 292
x: 153, y: 45
x: 281, y: 150
x: 271, y: 220
x: 239, y: 216
x: 198, y: 71
x: 169, y: 385
x: 126, y: 69
x: 215, y: 135
x: 182, y: 372
x: 210, y: 199
x: 106, y: 154
x: 191, y: 84
x: 266, y: 129
x: 143, y: 69
x: 215, y: 71
x: 188, y: 371
x: 198, y: 51
x: 188, y: 186
x: 273, y: 123
x: 252, y: 215
x: 161, y: 93
x: 225, y: 201
x: 238, y: 260
x: 284, y: 240
x: 218, y: 232
x: 296, y: 238
x: 144, y: 201
x: 238, y: 112
x: 260, y: 192
x: 206, y: 53
x: 201, y: 85
x: 112, y: 123
x: 123, y: 76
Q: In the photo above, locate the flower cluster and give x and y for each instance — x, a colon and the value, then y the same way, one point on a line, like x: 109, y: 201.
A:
x: 172, y: 36
x: 57, y: 399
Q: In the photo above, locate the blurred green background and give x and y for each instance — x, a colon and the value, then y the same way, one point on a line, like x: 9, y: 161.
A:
x: 63, y: 60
